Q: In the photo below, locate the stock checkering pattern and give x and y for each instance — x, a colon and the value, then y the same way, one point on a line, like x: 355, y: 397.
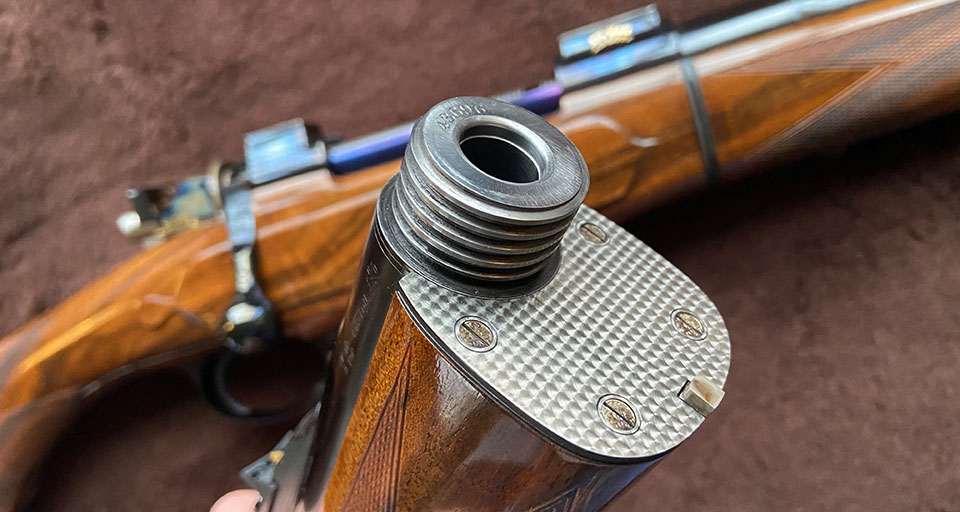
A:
x: 601, y: 326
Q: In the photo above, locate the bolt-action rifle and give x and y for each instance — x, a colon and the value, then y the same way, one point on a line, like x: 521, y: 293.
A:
x: 266, y: 250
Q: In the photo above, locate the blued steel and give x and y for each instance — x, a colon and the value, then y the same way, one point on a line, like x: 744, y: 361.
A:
x: 249, y: 322
x: 701, y: 121
x: 249, y: 325
x: 390, y: 143
x: 284, y: 463
x: 674, y: 44
x: 641, y: 53
x: 286, y: 149
x: 596, y: 37
x: 281, y: 150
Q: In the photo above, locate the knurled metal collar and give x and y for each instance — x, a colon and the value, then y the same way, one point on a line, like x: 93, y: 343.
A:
x: 435, y: 150
x: 485, y: 192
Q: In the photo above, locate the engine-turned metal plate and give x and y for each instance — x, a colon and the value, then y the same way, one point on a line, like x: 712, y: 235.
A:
x: 603, y: 326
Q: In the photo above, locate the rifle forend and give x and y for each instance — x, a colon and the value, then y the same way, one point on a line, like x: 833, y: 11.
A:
x: 760, y: 101
x: 505, y: 348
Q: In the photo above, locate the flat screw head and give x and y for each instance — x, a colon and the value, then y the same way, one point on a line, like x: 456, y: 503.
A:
x: 592, y: 233
x: 618, y: 415
x: 476, y: 334
x: 688, y: 324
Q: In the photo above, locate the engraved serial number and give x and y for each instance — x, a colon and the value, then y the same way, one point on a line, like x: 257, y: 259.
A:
x: 446, y: 119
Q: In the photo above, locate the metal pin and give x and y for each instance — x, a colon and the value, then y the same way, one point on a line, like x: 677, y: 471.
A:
x: 701, y: 394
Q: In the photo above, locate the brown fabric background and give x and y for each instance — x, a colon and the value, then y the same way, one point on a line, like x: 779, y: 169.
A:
x: 839, y: 277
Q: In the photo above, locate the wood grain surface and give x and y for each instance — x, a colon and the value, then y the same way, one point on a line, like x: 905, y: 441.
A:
x: 772, y: 98
x: 422, y: 437
x: 826, y: 83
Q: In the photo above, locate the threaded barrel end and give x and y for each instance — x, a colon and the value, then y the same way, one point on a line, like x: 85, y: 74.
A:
x: 486, y: 190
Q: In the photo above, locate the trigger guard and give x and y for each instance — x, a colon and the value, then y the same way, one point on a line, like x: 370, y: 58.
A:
x: 213, y: 385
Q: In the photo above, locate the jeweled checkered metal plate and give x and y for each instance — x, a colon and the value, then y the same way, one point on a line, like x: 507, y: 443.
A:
x: 601, y: 326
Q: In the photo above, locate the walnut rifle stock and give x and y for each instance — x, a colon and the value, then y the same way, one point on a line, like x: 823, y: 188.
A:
x: 502, y: 349
x: 647, y: 137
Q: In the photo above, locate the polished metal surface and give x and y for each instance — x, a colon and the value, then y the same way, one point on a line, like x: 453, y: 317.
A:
x: 161, y: 212
x: 596, y: 37
x: 602, y: 326
x: 441, y: 203
x: 282, y: 150
x: 249, y: 323
x: 597, y: 53
x: 660, y: 45
x: 486, y: 191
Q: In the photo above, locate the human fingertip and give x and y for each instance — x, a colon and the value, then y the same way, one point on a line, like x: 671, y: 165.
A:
x: 243, y: 500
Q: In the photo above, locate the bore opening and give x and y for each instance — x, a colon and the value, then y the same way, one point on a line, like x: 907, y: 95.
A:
x: 501, y: 153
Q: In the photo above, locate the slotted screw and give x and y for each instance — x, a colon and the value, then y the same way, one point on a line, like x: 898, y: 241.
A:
x: 688, y: 324
x: 617, y: 414
x: 592, y: 233
x: 476, y: 334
